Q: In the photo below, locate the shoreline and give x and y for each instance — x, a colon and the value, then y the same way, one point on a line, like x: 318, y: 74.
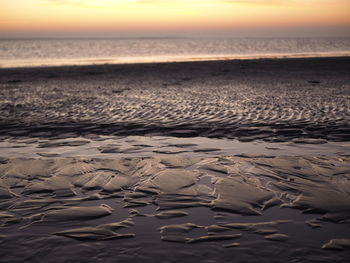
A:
x: 259, y: 65
x: 78, y: 62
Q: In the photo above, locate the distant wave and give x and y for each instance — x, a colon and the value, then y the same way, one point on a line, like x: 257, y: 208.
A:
x: 14, y: 63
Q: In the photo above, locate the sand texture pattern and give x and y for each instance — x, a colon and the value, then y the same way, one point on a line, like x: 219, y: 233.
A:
x: 142, y: 209
x: 221, y: 161
x: 305, y: 100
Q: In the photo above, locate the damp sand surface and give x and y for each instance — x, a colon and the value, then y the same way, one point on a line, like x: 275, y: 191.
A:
x: 222, y: 161
x: 144, y: 208
x: 110, y: 147
x: 273, y: 100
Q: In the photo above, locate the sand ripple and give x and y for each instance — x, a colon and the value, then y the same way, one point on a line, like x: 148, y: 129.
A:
x: 201, y: 204
x: 302, y: 100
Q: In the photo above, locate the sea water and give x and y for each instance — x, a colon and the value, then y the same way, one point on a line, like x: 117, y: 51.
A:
x: 41, y: 52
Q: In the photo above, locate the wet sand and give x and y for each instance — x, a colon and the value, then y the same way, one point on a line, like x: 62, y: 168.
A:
x: 272, y: 100
x: 248, y: 209
x: 221, y: 161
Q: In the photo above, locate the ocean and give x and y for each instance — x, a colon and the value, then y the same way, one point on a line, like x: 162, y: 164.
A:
x: 53, y: 52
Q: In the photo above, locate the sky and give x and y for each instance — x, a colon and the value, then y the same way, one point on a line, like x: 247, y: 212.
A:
x: 123, y: 18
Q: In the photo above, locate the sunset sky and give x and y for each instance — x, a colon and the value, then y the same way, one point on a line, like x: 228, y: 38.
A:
x: 172, y: 17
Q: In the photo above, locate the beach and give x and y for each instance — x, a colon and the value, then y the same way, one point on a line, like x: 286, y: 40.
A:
x: 208, y: 161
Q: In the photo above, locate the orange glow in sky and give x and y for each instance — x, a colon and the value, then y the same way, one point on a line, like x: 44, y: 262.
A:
x: 169, y: 15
